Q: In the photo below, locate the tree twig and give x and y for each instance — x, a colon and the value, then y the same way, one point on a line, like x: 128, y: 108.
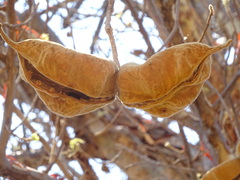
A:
x: 209, y: 84
x: 45, y: 144
x: 175, y: 27
x: 55, y: 155
x: 11, y: 70
x: 141, y: 28
x: 187, y: 150
x: 96, y: 34
x: 229, y: 87
x: 33, y: 13
x: 211, y: 12
x: 115, y: 157
x: 109, y: 31
x: 108, y: 126
x: 31, y: 108
x: 157, y: 163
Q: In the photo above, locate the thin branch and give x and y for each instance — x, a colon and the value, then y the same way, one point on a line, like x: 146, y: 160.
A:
x: 55, y: 155
x: 187, y: 150
x: 33, y: 13
x: 115, y: 157
x: 170, y: 146
x: 237, y: 8
x: 229, y: 87
x: 24, y: 173
x: 31, y: 108
x: 11, y: 70
x: 211, y: 12
x: 228, y: 11
x: 45, y: 144
x: 83, y: 158
x: 236, y: 123
x: 52, y: 155
x: 21, y: 172
x: 175, y: 27
x: 47, y: 18
x: 153, y: 12
x: 157, y: 163
x: 109, y: 31
x: 74, y: 171
x: 63, y: 125
x: 141, y: 128
x: 72, y: 36
x: 111, y: 123
x: 209, y: 84
x: 141, y: 28
x: 54, y: 141
x: 96, y: 34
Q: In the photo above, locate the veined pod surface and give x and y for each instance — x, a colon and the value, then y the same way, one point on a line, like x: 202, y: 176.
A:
x: 69, y: 83
x: 169, y: 80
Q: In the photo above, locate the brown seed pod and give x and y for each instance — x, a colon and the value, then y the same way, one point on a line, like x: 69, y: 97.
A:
x: 169, y: 80
x: 224, y: 171
x: 68, y: 82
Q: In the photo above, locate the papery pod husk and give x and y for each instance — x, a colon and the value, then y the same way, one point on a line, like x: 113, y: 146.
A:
x: 229, y: 170
x: 69, y: 83
x: 169, y: 80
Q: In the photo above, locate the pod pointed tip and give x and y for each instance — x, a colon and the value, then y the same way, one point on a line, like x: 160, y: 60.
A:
x: 5, y: 37
x: 224, y: 45
x: 228, y: 42
x: 217, y: 48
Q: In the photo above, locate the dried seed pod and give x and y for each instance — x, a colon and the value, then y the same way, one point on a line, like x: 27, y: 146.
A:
x: 224, y: 171
x: 68, y: 82
x: 169, y: 80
